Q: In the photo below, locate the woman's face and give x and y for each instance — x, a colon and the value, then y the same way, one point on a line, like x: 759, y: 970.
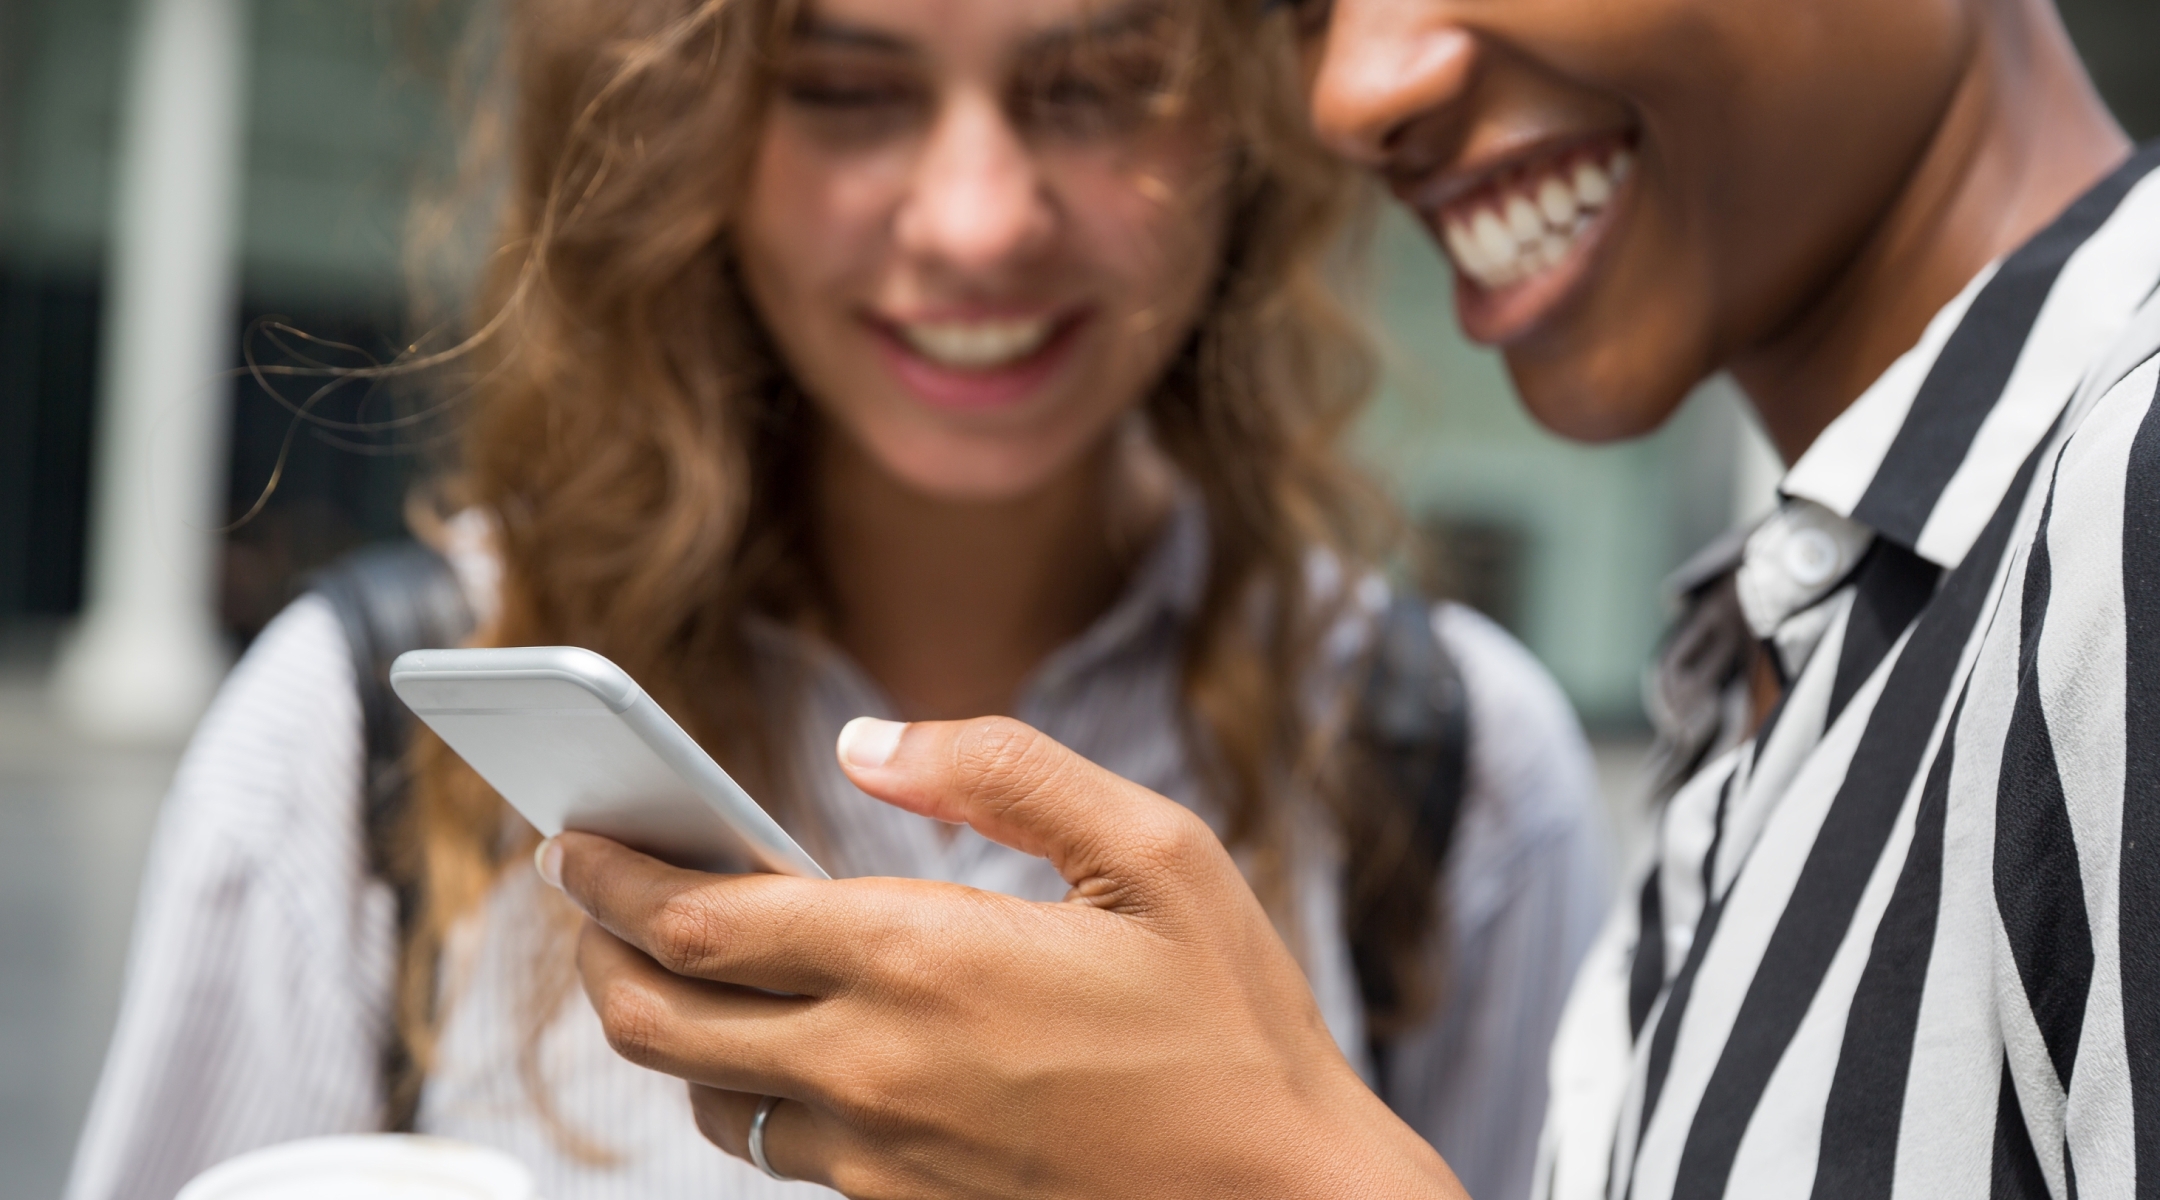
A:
x: 974, y: 231
x: 1636, y: 191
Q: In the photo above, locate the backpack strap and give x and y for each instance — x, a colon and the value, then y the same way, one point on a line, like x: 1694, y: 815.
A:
x: 390, y: 598
x: 1412, y: 726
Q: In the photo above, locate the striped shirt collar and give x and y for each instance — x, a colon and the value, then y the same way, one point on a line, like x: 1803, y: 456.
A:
x: 1930, y: 449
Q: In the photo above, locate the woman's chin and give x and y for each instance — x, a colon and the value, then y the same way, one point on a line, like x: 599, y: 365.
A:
x: 972, y: 482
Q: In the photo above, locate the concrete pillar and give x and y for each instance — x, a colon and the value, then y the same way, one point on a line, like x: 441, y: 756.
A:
x: 147, y: 654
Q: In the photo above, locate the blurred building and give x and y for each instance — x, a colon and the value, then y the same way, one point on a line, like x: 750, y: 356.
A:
x: 1562, y: 543
x: 336, y: 121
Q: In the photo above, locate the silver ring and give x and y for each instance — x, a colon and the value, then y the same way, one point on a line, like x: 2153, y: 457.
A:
x: 757, y: 1139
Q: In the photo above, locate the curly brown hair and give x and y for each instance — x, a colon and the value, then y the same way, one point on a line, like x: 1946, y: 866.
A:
x: 646, y: 455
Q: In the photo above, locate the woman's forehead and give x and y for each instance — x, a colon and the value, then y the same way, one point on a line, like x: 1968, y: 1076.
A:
x: 943, y: 27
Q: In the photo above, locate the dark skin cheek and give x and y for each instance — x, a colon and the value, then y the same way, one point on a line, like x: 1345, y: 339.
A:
x: 1815, y: 178
x: 1629, y: 352
x: 1773, y: 139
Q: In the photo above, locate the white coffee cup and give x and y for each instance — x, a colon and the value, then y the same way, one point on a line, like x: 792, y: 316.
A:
x: 384, y: 1166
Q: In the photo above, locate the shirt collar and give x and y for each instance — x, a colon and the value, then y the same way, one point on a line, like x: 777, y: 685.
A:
x: 1928, y: 452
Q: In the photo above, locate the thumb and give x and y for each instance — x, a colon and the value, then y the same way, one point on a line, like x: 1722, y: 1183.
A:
x: 1116, y: 843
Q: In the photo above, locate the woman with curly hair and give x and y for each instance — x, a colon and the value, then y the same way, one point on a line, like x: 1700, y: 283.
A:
x: 914, y: 358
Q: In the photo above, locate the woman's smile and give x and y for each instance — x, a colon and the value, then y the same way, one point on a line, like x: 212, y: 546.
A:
x: 1523, y: 232
x: 979, y: 360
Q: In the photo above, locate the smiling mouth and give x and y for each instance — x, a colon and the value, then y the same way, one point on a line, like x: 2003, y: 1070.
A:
x: 979, y: 361
x: 977, y: 345
x: 1528, y: 219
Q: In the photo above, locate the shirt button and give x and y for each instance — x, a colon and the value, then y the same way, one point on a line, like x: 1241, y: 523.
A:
x: 1811, y: 557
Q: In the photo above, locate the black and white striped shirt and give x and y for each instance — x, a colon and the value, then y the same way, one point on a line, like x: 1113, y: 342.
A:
x: 1906, y: 940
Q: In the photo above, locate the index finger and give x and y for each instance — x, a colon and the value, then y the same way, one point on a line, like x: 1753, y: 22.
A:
x: 764, y: 931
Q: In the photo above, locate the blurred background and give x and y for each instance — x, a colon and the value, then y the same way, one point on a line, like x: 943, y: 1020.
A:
x: 330, y: 117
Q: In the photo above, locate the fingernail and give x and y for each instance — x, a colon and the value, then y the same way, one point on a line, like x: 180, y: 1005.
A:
x: 869, y: 742
x: 547, y: 859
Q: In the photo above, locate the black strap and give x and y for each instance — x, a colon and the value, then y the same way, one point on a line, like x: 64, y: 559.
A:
x: 1413, y: 726
x: 391, y: 598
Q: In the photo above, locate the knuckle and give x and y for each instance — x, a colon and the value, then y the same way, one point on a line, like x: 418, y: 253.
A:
x: 893, y: 953
x: 1000, y: 759
x: 1174, y: 838
x: 883, y: 1093
x: 912, y: 967
x: 682, y: 933
x: 709, y: 1123
x: 634, y: 1019
x: 1183, y: 835
x: 922, y: 970
x: 714, y: 1119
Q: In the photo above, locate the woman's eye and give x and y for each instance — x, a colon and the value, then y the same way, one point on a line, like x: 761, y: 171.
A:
x: 1075, y: 104
x: 1073, y: 94
x: 844, y: 96
x: 851, y: 111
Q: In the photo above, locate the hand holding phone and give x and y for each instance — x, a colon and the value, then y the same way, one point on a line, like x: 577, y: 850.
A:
x: 572, y: 742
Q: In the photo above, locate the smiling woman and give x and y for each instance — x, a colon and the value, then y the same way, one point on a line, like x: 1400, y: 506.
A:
x: 977, y: 249
x: 915, y: 358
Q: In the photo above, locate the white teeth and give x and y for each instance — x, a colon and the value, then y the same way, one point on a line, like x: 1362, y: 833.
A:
x: 1461, y: 246
x: 1523, y: 220
x: 1496, y: 246
x: 1557, y: 201
x: 1552, y: 248
x: 976, y: 345
x: 1532, y: 224
x: 1592, y: 186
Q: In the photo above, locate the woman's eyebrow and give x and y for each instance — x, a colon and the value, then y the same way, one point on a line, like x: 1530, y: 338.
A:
x: 1137, y: 16
x: 1133, y: 17
x: 821, y: 31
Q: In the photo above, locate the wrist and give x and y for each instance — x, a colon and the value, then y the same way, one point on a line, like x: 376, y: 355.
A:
x: 1342, y: 1142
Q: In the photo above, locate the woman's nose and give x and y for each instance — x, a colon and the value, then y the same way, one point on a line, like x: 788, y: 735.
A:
x: 1383, y: 65
x: 978, y: 201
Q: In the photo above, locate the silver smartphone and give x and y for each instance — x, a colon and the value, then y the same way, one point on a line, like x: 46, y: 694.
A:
x: 572, y: 742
